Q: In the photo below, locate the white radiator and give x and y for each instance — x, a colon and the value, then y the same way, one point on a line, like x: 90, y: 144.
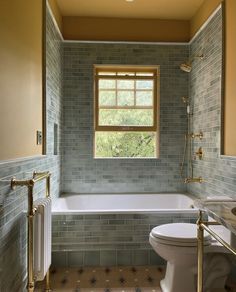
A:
x: 42, y: 238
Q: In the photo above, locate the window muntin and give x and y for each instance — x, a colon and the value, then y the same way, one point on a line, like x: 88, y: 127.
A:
x: 126, y: 100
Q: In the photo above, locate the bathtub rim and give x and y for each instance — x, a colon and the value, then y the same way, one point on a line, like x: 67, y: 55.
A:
x: 65, y: 195
x: 119, y: 211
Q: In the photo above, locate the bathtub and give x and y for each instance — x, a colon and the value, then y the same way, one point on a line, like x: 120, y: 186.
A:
x: 113, y: 229
x: 122, y: 203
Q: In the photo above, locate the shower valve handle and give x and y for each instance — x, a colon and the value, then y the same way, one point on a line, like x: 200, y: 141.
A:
x: 198, y: 154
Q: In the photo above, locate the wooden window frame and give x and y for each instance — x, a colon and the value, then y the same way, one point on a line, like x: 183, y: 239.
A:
x: 136, y: 69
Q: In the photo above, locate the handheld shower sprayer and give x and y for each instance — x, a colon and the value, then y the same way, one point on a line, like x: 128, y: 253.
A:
x: 186, y: 101
x: 188, y: 149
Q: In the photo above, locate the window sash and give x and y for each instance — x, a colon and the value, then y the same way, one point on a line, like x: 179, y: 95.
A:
x: 116, y: 71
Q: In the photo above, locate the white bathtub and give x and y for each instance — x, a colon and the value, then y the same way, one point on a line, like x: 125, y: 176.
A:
x: 123, y: 203
x: 114, y: 223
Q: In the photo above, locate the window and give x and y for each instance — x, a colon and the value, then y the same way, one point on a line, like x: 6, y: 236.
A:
x: 126, y: 112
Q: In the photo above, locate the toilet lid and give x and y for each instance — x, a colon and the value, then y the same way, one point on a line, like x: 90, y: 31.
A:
x: 178, y: 232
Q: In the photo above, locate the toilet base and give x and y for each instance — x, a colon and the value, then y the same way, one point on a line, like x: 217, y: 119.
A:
x: 183, y: 277
x: 178, y: 279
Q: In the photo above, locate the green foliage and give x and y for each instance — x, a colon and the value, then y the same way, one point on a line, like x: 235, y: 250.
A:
x: 125, y: 144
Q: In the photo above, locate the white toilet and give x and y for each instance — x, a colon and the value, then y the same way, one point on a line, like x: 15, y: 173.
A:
x: 177, y: 244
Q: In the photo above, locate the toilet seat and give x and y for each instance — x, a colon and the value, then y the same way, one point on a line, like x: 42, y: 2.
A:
x: 178, y: 234
x: 156, y: 240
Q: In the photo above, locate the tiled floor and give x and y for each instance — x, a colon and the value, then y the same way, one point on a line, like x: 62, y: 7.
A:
x: 112, y: 279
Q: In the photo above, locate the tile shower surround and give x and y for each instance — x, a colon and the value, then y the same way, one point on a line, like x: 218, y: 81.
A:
x: 81, y: 173
x: 13, y: 203
x: 218, y: 172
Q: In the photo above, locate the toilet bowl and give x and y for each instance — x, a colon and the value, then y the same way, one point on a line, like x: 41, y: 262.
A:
x: 177, y: 244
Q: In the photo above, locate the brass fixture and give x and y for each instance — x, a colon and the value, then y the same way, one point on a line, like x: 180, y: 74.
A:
x: 187, y: 66
x: 201, y: 226
x: 199, y: 153
x: 197, y: 135
x: 188, y: 147
x: 193, y: 180
x: 37, y: 176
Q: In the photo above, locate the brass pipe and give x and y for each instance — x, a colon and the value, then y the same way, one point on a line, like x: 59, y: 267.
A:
x: 37, y: 176
x: 47, y: 288
x: 40, y: 176
x: 21, y: 183
x: 193, y: 180
x: 37, y: 173
x: 218, y: 238
x: 48, y: 186
x: 30, y: 284
x: 210, y: 223
x: 201, y: 226
x: 200, y: 251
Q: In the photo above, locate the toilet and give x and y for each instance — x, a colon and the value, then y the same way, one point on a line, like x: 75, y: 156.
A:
x: 177, y: 244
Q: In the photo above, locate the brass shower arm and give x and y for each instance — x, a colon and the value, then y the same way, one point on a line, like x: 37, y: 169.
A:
x: 201, y: 56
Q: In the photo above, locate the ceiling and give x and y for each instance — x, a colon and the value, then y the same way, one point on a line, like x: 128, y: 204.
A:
x: 146, y: 9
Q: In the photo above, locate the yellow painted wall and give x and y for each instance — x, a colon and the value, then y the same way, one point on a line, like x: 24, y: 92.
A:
x: 230, y: 80
x: 202, y: 14
x: 20, y: 77
x: 56, y: 12
x: 116, y: 29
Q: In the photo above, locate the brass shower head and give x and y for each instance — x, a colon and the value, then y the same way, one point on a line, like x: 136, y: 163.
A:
x: 187, y: 67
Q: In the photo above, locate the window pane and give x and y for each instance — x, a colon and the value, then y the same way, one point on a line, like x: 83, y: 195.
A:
x: 125, y: 84
x: 125, y: 98
x: 144, y: 84
x: 126, y: 117
x: 144, y: 98
x: 107, y: 84
x: 107, y: 98
x: 125, y: 144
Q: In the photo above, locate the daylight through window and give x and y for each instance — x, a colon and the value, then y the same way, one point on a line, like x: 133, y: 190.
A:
x: 126, y: 112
